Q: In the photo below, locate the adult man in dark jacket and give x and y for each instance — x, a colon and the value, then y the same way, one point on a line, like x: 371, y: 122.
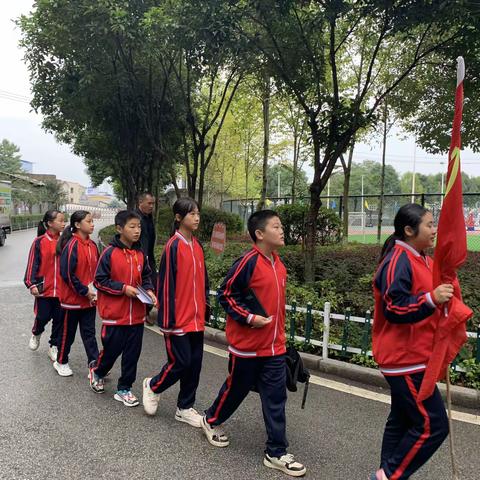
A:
x: 146, y: 204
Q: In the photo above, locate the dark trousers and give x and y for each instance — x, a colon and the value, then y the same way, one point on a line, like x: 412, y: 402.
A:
x: 268, y: 375
x: 414, y: 429
x: 124, y: 340
x: 46, y: 309
x: 185, y: 354
x: 84, y: 318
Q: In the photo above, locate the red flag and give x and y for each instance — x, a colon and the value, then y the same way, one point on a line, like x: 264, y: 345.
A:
x: 450, y: 253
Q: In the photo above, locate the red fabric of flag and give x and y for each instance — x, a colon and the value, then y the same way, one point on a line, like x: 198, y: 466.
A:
x: 450, y: 253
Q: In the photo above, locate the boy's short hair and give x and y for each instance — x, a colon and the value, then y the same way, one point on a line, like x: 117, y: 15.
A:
x: 258, y: 221
x: 124, y: 216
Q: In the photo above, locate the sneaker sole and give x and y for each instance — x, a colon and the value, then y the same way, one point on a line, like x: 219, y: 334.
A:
x: 120, y: 399
x: 33, y: 349
x: 193, y: 424
x: 62, y: 374
x: 291, y: 473
x: 213, y: 442
x: 147, y: 410
x: 96, y: 391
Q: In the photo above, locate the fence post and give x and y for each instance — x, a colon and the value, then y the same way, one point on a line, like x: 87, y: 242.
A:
x: 366, y: 333
x: 308, y: 323
x: 346, y: 327
x: 423, y: 199
x: 340, y: 207
x: 326, y: 329
x: 292, y: 320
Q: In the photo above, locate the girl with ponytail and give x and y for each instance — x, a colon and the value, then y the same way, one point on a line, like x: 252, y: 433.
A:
x: 182, y: 297
x: 42, y: 278
x: 78, y: 262
x: 407, y: 311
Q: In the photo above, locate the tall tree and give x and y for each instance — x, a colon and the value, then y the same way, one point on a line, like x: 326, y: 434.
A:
x: 10, y: 158
x: 97, y: 83
x: 305, y: 44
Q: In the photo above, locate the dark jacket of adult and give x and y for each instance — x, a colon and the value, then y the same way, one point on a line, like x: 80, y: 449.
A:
x: 147, y: 239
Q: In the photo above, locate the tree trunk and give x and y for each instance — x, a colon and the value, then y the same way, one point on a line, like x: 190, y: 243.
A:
x: 296, y: 153
x: 266, y: 138
x: 382, y: 178
x: 347, y: 170
x: 201, y: 179
x: 315, y: 204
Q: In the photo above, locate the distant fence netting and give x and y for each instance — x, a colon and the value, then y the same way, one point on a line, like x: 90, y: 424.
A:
x: 363, y: 216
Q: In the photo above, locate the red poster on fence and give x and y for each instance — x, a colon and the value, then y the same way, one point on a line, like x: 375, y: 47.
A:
x: 219, y: 237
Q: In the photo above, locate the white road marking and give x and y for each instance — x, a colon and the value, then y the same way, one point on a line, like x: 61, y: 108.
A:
x: 343, y: 387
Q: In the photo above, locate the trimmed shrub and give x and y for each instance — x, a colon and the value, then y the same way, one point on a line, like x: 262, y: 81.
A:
x: 293, y: 218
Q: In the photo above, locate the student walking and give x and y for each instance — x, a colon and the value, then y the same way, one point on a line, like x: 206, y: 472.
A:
x: 78, y: 261
x: 253, y: 295
x: 182, y: 296
x: 122, y: 272
x: 407, y: 309
x: 42, y: 279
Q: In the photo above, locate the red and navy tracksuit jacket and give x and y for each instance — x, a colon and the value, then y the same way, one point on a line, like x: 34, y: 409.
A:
x: 118, y: 267
x: 43, y: 265
x: 122, y: 316
x: 255, y: 284
x: 267, y: 279
x: 182, y: 287
x: 404, y: 326
x: 78, y: 262
x: 405, y: 315
x: 43, y: 272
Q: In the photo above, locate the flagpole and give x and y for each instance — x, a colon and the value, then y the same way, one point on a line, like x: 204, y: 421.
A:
x: 450, y: 427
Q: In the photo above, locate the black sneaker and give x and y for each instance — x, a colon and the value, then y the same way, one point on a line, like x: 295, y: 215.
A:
x: 286, y: 464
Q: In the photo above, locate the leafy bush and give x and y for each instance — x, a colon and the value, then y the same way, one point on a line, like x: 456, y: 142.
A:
x: 293, y: 218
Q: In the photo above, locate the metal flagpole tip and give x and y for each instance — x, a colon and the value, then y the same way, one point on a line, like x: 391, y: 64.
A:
x: 460, y: 70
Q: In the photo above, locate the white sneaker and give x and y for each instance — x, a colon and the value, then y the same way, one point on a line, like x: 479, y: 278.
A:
x: 286, y: 464
x: 52, y: 353
x: 34, y: 342
x: 63, y: 369
x: 215, y: 435
x: 190, y: 416
x: 150, y: 399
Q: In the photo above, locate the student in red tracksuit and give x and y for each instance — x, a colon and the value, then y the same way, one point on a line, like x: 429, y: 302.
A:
x: 42, y: 279
x: 122, y: 269
x: 253, y: 295
x: 182, y: 297
x: 407, y: 309
x: 78, y: 261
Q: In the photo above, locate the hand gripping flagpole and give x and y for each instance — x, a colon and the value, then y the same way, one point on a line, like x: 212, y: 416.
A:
x: 455, y: 475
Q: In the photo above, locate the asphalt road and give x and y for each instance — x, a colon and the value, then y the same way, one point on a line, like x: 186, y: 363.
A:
x: 56, y: 428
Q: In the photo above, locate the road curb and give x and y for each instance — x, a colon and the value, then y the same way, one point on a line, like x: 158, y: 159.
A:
x: 461, y: 396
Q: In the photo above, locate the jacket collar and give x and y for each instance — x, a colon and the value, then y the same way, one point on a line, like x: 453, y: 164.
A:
x: 85, y: 241
x: 116, y: 242
x: 272, y: 260
x: 183, y: 239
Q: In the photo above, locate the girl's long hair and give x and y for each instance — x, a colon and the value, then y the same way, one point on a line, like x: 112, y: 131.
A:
x: 50, y: 216
x: 410, y: 215
x: 70, y: 229
x: 183, y: 206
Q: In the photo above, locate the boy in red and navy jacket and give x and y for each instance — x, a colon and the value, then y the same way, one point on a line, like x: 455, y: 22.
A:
x: 122, y: 269
x: 253, y: 295
x: 182, y: 297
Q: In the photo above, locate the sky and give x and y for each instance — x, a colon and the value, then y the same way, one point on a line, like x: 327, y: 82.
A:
x: 19, y: 124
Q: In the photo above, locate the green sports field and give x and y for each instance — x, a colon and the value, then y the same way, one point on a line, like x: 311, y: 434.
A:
x: 473, y: 238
